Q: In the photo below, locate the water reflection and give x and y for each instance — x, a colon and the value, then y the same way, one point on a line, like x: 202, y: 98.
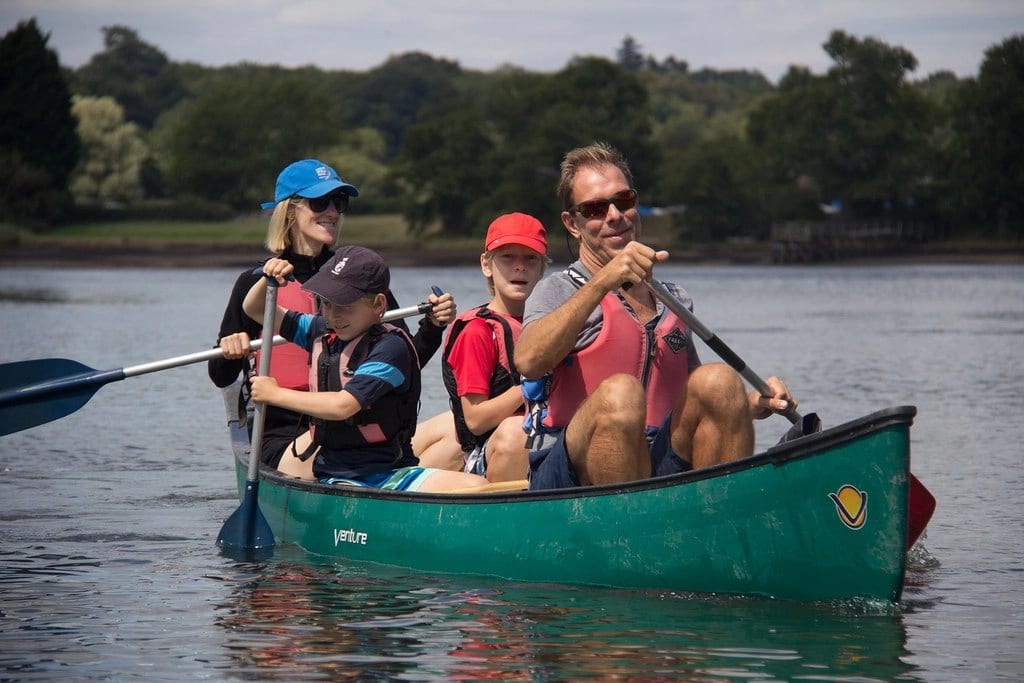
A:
x: 304, y: 619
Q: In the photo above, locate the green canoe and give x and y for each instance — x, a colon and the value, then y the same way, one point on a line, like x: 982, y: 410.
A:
x: 820, y: 518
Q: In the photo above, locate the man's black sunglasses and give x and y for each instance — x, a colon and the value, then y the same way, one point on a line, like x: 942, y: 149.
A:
x: 598, y: 208
x: 319, y: 204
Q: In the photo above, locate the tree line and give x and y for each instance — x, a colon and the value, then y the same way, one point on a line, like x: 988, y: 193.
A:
x: 449, y: 148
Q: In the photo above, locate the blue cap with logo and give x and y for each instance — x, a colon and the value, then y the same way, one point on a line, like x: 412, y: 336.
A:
x: 308, y: 178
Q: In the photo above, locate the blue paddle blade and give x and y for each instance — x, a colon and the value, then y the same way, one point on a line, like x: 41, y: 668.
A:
x: 34, y: 392
x: 247, y: 529
x: 24, y: 373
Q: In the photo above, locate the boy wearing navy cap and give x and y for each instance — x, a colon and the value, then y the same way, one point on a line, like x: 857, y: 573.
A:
x: 364, y: 378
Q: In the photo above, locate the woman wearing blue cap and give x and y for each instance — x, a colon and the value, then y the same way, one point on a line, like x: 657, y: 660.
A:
x: 309, y: 206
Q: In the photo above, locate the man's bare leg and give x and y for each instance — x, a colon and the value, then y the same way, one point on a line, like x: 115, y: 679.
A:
x: 711, y: 421
x: 606, y: 437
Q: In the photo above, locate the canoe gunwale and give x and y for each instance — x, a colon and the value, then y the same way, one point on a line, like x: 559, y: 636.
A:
x: 776, y: 455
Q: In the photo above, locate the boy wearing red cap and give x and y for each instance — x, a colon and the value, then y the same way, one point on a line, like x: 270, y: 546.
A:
x: 481, y: 379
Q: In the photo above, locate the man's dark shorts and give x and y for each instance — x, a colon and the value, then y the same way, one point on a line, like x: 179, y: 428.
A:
x: 550, y: 467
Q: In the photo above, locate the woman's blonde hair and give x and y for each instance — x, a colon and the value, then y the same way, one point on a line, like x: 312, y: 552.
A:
x: 279, y: 231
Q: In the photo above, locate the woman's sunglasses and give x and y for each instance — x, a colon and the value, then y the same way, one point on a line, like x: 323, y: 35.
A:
x: 598, y: 208
x: 320, y: 204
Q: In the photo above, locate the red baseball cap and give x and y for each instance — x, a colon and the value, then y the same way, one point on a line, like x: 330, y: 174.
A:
x: 517, y: 228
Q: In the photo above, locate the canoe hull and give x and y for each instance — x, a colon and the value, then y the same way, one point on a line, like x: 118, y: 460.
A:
x: 821, y: 518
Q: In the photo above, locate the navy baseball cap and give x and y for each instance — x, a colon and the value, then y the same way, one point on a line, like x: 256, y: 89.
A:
x: 308, y: 178
x: 348, y: 275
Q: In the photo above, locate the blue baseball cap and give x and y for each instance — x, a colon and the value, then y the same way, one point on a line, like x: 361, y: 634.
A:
x: 308, y: 178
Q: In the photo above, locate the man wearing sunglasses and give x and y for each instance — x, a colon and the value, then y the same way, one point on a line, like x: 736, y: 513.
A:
x: 626, y: 394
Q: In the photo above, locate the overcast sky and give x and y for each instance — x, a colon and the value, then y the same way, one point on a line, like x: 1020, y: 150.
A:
x: 539, y: 35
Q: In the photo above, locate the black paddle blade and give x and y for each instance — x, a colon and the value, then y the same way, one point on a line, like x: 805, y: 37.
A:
x: 246, y: 529
x: 34, y: 392
x: 808, y: 424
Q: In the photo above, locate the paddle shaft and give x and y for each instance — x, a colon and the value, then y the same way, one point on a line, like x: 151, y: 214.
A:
x: 260, y: 417
x: 100, y: 377
x: 398, y: 313
x: 714, y: 343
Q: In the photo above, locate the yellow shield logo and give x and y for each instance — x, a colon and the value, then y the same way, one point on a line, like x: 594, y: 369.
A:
x: 851, y: 505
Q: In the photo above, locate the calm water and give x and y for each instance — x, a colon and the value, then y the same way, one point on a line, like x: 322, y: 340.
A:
x: 108, y: 568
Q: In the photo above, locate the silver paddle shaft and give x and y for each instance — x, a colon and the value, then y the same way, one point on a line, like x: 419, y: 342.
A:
x: 713, y: 342
x: 255, y: 344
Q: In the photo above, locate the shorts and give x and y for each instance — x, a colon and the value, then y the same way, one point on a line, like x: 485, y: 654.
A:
x: 475, y: 462
x: 550, y: 467
x: 279, y: 431
x: 273, y: 447
x: 402, y: 479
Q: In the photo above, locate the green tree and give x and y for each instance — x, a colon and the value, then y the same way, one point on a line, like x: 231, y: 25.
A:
x: 113, y: 152
x: 136, y: 74
x: 38, y: 144
x: 229, y: 144
x: 361, y: 159
x: 499, y: 148
x: 860, y: 132
x: 718, y: 181
x: 988, y: 155
x: 391, y: 97
x: 630, y: 56
x: 443, y: 173
x: 691, y: 113
x: 591, y: 99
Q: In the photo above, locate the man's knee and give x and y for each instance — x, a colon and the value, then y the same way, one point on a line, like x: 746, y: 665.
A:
x: 718, y: 388
x: 619, y: 400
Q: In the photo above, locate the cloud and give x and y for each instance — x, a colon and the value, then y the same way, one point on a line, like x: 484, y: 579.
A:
x: 541, y: 35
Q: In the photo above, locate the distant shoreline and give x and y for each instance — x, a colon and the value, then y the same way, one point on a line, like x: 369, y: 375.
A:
x: 177, y: 255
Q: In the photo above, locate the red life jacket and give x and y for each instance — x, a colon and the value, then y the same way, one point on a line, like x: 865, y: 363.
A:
x: 289, y: 363
x: 504, y: 376
x: 392, y: 418
x: 657, y: 358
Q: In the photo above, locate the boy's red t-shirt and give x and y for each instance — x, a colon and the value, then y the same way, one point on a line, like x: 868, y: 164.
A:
x: 474, y: 356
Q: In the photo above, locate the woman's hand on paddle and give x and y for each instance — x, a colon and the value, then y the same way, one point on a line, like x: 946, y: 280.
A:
x: 235, y: 346
x: 263, y: 388
x: 781, y: 401
x: 444, y: 309
x: 278, y: 269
